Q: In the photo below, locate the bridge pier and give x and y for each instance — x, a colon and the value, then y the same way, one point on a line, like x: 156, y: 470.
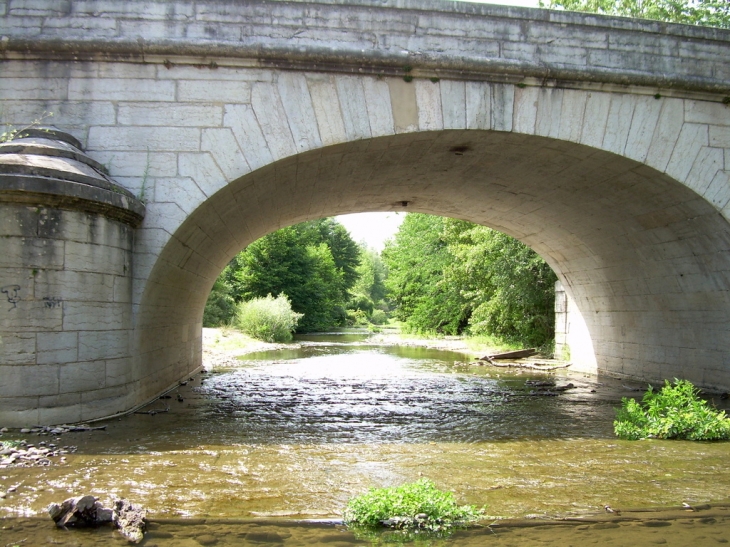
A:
x: 66, y: 241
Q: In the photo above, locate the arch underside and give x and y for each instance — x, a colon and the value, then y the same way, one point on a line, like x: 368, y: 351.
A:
x: 645, y: 258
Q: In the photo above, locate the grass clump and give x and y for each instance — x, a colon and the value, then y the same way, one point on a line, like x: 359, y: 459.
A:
x: 413, y: 508
x: 269, y: 319
x: 676, y: 411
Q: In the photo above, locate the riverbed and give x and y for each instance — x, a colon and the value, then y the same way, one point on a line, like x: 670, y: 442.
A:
x: 242, y: 454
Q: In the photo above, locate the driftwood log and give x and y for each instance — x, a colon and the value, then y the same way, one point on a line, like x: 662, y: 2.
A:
x: 517, y: 354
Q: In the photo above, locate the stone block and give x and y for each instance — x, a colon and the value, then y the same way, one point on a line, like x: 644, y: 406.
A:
x: 249, y: 135
x: 97, y: 345
x: 82, y: 377
x: 643, y: 128
x: 28, y: 315
x: 17, y: 348
x: 299, y: 110
x: 57, y: 347
x: 453, y: 104
x: 34, y: 89
x: 403, y: 104
x: 705, y: 112
x: 65, y: 114
x: 30, y: 252
x: 353, y: 107
x: 428, y: 100
x: 502, y: 111
x: 618, y: 123
x: 88, y: 257
x: 708, y: 163
x: 478, y: 105
x: 720, y: 136
x: 95, y: 316
x: 666, y: 133
x: 271, y: 116
x: 19, y: 411
x: 28, y: 380
x: 549, y: 112
x: 120, y: 89
x: 183, y: 192
x: 137, y: 164
x: 122, y: 289
x: 525, y: 110
x: 691, y: 139
x: 141, y: 139
x: 119, y: 372
x: 380, y: 110
x: 59, y: 409
x: 594, y: 120
x: 223, y: 146
x: 222, y: 92
x: 163, y: 115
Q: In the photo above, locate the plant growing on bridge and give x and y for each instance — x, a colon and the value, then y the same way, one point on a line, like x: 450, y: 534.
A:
x: 269, y: 319
x: 676, y: 411
x: 413, y: 508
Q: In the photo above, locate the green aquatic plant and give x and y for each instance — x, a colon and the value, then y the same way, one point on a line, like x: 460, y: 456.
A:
x: 409, y: 510
x: 676, y: 411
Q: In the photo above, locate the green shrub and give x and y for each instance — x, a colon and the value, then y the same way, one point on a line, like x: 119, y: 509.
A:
x: 674, y: 412
x: 378, y: 317
x: 269, y: 319
x: 416, y: 506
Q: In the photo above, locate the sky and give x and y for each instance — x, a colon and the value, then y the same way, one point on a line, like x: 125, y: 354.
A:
x: 375, y: 228
x: 372, y: 228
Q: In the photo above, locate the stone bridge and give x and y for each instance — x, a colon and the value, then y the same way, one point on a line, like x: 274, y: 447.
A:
x: 189, y: 128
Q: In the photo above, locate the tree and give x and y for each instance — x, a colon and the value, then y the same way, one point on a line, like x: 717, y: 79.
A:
x: 313, y: 263
x: 416, y: 260
x: 714, y: 13
x: 449, y: 276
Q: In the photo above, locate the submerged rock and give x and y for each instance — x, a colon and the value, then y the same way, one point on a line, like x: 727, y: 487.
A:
x: 129, y: 520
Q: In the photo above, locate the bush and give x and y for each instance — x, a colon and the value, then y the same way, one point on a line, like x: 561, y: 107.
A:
x: 674, y: 412
x: 413, y: 506
x: 269, y: 319
x: 378, y: 317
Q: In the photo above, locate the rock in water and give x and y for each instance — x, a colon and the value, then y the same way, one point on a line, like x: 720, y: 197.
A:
x: 79, y: 511
x: 129, y: 520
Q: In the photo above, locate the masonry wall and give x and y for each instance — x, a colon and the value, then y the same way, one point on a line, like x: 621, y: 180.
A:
x: 65, y: 315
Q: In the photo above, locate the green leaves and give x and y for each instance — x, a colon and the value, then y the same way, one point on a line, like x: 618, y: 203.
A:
x: 313, y: 263
x: 714, y: 13
x: 269, y: 319
x: 447, y: 275
x: 413, y: 506
x: 674, y: 412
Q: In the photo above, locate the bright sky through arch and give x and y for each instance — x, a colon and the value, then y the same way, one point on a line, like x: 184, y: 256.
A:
x: 372, y: 228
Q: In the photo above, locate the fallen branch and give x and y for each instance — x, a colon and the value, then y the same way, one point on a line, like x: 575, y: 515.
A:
x: 517, y: 354
x: 530, y: 366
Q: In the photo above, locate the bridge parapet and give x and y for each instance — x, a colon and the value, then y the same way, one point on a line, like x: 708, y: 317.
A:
x: 417, y: 38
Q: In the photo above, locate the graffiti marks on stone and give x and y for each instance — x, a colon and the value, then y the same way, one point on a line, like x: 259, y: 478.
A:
x: 13, y: 294
x: 52, y: 302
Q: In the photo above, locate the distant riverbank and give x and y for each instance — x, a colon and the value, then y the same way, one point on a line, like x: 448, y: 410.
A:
x: 223, y: 346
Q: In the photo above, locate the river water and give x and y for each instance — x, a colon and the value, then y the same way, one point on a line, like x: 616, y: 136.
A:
x: 270, y: 451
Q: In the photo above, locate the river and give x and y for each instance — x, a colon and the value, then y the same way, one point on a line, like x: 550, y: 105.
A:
x: 269, y: 452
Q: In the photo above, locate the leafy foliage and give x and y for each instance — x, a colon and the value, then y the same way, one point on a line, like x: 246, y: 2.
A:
x: 220, y: 307
x: 269, y: 319
x: 714, y: 13
x: 450, y: 276
x: 314, y: 263
x: 674, y: 412
x: 416, y: 260
x: 413, y: 506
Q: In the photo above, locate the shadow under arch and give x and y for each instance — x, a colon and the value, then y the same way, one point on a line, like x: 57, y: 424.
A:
x: 645, y: 258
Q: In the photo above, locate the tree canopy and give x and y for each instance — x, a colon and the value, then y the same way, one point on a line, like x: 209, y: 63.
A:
x: 714, y: 13
x: 313, y: 263
x: 452, y: 276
